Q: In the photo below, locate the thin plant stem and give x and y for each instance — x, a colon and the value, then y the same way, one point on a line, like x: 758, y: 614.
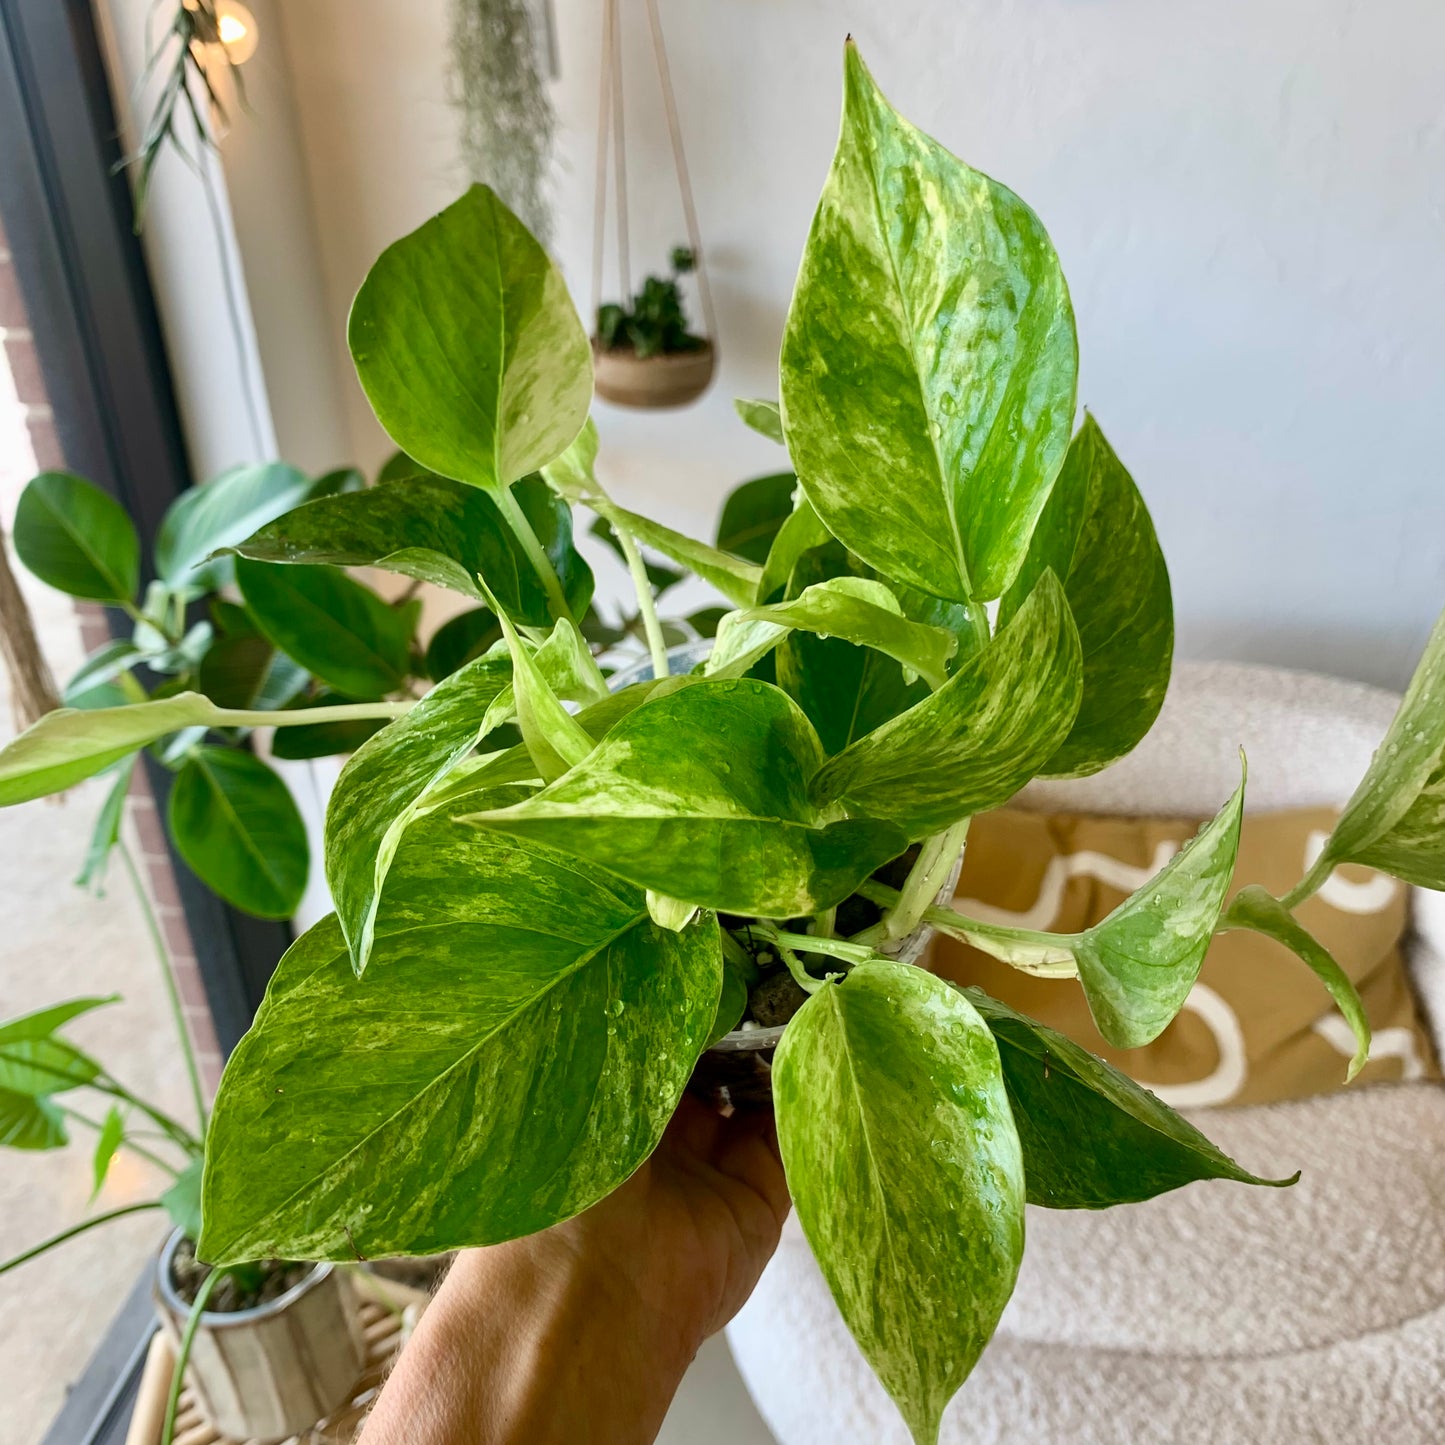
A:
x: 924, y: 880
x: 35, y: 1251
x: 809, y: 943
x: 173, y: 997
x: 298, y: 717
x: 1310, y: 884
x: 183, y: 1352
x: 516, y: 519
x: 801, y: 976
x: 646, y: 602
x: 128, y: 1143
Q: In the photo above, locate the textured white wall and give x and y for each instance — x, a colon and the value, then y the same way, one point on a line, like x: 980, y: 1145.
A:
x: 1247, y: 195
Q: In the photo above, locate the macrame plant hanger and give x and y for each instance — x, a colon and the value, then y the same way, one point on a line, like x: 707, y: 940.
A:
x: 666, y: 379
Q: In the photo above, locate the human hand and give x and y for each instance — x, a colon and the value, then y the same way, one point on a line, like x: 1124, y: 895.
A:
x: 581, y: 1334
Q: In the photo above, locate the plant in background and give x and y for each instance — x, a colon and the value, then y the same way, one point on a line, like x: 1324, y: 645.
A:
x: 594, y: 906
x: 656, y: 324
x: 507, y: 117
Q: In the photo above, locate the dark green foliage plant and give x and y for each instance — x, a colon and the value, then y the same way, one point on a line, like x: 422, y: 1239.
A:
x: 535, y: 940
x: 654, y: 321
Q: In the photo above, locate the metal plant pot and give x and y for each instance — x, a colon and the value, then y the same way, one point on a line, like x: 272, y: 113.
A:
x: 268, y: 1373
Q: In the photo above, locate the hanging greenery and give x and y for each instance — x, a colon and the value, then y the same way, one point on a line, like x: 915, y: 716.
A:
x: 507, y: 116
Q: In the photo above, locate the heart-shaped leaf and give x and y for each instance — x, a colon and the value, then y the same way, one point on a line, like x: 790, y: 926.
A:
x: 929, y: 361
x: 372, y: 802
x: 906, y: 1172
x: 1091, y: 1136
x: 221, y: 513
x: 331, y: 625
x: 1138, y: 965
x: 1258, y: 910
x: 469, y: 348
x: 1096, y: 535
x: 976, y: 741
x: 1396, y: 819
x: 702, y: 795
x: 753, y: 514
x: 76, y: 538
x: 857, y: 610
x: 236, y: 825
x: 526, y: 1023
x: 762, y: 416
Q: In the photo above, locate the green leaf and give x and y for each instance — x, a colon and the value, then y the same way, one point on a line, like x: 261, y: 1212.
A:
x: 399, y: 467
x: 461, y: 640
x: 236, y: 825
x: 76, y: 538
x: 554, y: 738
x: 529, y: 1025
x: 331, y: 625
x: 735, y: 579
x: 37, y: 1063
x: 183, y: 1200
x: 338, y: 480
x: 379, y: 787
x: 234, y: 671
x: 753, y: 515
x: 975, y: 742
x: 71, y: 744
x: 27, y: 1122
x: 763, y: 416
x: 1258, y: 910
x: 702, y: 794
x: 106, y: 833
x: 469, y: 348
x: 800, y: 533
x: 1395, y: 821
x: 859, y: 611
x: 551, y: 521
x: 1091, y: 1136
x: 110, y: 1138
x: 929, y: 361
x: 106, y: 662
x: 1096, y: 535
x: 221, y: 513
x: 323, y: 739
x: 732, y: 1004
x: 906, y: 1172
x: 1138, y: 965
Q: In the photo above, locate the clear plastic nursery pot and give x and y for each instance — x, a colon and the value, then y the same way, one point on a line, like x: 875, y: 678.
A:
x: 737, y: 1069
x: 271, y: 1372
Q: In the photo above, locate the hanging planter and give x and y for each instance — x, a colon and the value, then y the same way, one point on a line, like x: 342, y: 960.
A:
x: 644, y: 353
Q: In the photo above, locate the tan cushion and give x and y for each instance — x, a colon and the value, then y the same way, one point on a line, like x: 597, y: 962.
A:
x: 1258, y: 1026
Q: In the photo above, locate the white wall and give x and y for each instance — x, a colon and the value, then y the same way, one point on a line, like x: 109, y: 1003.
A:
x: 1247, y: 195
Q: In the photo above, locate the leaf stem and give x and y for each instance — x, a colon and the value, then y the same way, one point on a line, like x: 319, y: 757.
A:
x: 183, y: 1352
x: 924, y: 880
x: 809, y: 943
x: 801, y: 976
x: 303, y: 716
x: 35, y: 1251
x: 173, y: 997
x: 646, y: 601
x: 516, y: 519
x: 1311, y: 883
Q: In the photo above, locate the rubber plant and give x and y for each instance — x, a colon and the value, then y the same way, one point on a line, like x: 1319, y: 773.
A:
x: 533, y: 945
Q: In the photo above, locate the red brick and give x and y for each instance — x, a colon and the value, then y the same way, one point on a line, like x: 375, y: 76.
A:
x: 162, y: 882
x: 25, y: 368
x: 45, y: 442
x: 12, y: 303
x: 188, y: 983
x: 173, y: 926
x: 203, y: 1031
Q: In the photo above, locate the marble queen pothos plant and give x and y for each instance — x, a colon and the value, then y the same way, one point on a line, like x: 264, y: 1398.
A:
x: 533, y: 946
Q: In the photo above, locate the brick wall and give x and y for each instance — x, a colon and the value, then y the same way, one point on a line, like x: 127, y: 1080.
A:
x: 24, y: 364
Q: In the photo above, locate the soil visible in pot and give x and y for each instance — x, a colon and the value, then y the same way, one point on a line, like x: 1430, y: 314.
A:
x: 777, y: 996
x: 243, y: 1288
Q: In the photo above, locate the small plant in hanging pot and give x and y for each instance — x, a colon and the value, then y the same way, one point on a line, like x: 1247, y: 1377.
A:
x: 534, y: 945
x: 644, y: 354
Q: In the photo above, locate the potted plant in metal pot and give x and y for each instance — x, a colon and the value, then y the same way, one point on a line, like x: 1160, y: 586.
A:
x: 535, y: 945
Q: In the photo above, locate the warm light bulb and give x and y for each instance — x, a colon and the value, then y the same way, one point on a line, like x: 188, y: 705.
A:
x: 237, y: 28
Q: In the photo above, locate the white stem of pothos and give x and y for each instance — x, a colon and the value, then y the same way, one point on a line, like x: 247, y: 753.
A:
x: 646, y: 602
